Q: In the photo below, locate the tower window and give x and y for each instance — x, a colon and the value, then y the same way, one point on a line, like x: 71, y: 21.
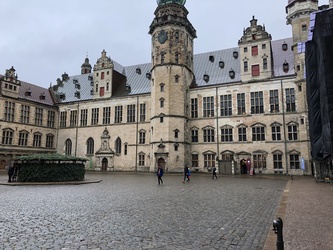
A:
x: 211, y: 58
x: 264, y: 62
x: 177, y: 37
x: 162, y: 58
x: 176, y: 78
x: 263, y: 46
x: 177, y: 58
x: 245, y: 49
x: 246, y: 66
x: 304, y: 27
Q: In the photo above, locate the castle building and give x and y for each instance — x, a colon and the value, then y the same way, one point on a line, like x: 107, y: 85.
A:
x: 200, y: 110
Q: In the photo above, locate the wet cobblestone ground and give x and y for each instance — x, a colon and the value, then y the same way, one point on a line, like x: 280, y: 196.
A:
x: 128, y: 211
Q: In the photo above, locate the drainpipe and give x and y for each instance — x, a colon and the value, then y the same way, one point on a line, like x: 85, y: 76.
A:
x: 284, y: 127
x: 217, y: 130
x: 137, y: 133
x: 77, y: 127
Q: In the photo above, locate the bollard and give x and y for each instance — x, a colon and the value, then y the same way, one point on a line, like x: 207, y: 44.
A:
x: 278, y: 228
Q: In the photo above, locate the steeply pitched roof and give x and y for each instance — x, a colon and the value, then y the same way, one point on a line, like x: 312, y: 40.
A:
x: 140, y: 84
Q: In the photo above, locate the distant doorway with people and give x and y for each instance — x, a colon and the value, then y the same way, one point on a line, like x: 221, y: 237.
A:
x: 104, y: 164
x: 161, y: 162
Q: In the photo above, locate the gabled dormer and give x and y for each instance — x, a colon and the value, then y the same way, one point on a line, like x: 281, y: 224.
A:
x: 10, y: 85
x: 103, y: 71
x: 255, y: 53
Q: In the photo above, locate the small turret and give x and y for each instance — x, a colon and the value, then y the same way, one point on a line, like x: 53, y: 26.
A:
x: 86, y: 67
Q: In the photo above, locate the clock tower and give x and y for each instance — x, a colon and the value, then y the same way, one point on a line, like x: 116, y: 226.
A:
x: 171, y: 76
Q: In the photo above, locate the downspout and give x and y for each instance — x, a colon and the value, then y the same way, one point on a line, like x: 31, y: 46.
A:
x: 217, y: 130
x: 77, y: 127
x: 137, y: 133
x: 284, y: 128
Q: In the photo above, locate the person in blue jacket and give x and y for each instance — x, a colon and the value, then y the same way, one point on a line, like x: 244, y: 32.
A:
x: 160, y: 173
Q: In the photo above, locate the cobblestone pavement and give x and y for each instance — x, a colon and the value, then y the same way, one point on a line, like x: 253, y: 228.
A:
x: 309, y: 215
x: 128, y: 211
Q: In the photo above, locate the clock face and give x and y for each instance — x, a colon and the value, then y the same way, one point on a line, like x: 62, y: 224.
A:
x: 162, y: 36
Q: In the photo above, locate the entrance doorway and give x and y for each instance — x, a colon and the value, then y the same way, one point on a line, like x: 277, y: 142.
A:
x: 104, y: 164
x: 161, y: 162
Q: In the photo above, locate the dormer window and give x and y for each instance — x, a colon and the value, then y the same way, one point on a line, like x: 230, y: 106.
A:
x: 221, y: 64
x: 77, y: 94
x: 77, y: 86
x: 285, y: 67
x: 284, y: 46
x: 75, y: 80
x: 148, y: 75
x: 90, y: 78
x: 232, y: 74
x: 206, y: 78
x: 28, y: 92
x: 235, y: 54
x: 138, y: 71
x: 211, y: 58
x: 62, y: 96
x: 92, y: 92
x: 42, y: 96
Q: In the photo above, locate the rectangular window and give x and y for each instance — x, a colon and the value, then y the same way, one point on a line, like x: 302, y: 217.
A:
x: 63, y: 119
x: 50, y: 119
x: 208, y: 106
x: 241, y: 104
x: 246, y: 66
x: 37, y: 140
x: 9, y: 111
x: 259, y: 162
x: 276, y: 133
x: 125, y: 149
x: 106, y: 115
x: 49, y: 141
x: 274, y: 100
x: 102, y: 75
x: 195, y: 160
x: 7, y: 137
x: 118, y: 116
x: 209, y: 160
x: 194, y: 135
x: 257, y: 102
x: 277, y: 163
x: 264, y: 63
x: 84, y: 117
x: 258, y: 133
x: 292, y: 133
x: 254, y: 50
x: 131, y: 113
x: 194, y: 108
x: 255, y: 70
x: 25, y: 114
x: 209, y: 135
x: 294, y: 161
x: 94, y: 116
x: 141, y: 160
x: 142, y: 137
x: 290, y: 100
x: 226, y: 105
x: 73, y: 118
x: 38, y: 116
x: 142, y: 112
x: 263, y: 46
x: 226, y: 134
x: 23, y: 138
x: 242, y: 134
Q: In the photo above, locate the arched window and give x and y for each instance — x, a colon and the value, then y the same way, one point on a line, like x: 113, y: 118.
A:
x: 118, y: 145
x: 90, y: 146
x: 68, y: 147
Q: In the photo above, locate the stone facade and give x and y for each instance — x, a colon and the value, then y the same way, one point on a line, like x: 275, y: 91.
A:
x: 206, y: 110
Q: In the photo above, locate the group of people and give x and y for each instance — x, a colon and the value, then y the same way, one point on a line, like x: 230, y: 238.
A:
x: 187, y: 174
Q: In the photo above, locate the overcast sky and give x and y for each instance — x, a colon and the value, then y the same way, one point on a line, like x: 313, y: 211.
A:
x: 44, y: 38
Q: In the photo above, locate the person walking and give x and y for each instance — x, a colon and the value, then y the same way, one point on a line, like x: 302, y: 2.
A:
x: 185, y: 174
x: 10, y: 173
x: 189, y: 174
x: 214, y: 173
x: 159, y: 174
